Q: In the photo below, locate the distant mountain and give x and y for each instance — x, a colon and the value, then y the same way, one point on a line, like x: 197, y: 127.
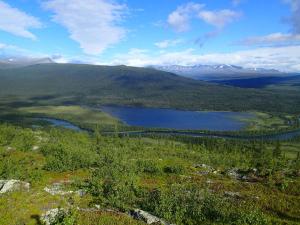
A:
x: 218, y: 72
x: 263, y: 82
x: 14, y: 62
x: 89, y: 84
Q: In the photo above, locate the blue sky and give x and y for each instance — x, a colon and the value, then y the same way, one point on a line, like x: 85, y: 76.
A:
x: 250, y: 33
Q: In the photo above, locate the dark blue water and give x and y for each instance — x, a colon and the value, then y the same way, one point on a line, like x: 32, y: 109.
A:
x: 177, y: 119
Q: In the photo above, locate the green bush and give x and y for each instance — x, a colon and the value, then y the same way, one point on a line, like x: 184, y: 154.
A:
x: 68, y: 151
x: 177, y: 169
x: 187, y: 204
x: 147, y: 166
x: 21, y: 165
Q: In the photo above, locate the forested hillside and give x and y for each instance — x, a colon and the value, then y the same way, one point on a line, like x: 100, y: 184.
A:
x: 87, y: 84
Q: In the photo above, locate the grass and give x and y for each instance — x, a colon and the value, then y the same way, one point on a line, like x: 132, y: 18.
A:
x: 82, y: 116
x: 266, y: 122
x: 107, y: 218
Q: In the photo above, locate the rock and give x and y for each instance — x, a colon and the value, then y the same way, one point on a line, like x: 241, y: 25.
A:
x: 147, y: 217
x: 53, y: 216
x: 206, y: 169
x: 13, y: 185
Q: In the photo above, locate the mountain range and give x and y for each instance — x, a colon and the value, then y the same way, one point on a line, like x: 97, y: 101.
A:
x: 218, y: 72
x: 14, y: 62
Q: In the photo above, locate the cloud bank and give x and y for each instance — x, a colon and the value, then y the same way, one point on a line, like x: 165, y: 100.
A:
x: 286, y: 58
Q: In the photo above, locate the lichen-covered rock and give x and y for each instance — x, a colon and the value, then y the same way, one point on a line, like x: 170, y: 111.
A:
x: 13, y: 185
x: 53, y: 216
x: 147, y: 217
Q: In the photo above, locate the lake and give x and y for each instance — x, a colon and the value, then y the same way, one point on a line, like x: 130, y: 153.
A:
x: 178, y: 119
x: 287, y: 135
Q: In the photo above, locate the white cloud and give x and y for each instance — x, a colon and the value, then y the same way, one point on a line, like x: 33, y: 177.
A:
x: 285, y: 58
x: 7, y: 50
x: 17, y: 22
x: 180, y: 18
x: 91, y: 23
x: 168, y: 43
x: 219, y: 18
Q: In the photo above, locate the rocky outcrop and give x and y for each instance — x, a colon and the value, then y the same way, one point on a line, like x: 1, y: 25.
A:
x: 243, y: 175
x: 148, y: 218
x: 205, y: 169
x: 53, y: 216
x: 13, y: 185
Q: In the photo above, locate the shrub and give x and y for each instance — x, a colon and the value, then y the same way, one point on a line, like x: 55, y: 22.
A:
x: 177, y: 169
x: 187, y: 204
x: 147, y: 166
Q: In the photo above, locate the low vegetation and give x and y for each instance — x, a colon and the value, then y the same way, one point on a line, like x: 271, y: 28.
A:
x: 181, y: 180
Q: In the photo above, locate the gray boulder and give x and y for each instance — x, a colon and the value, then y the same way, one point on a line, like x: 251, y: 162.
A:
x: 13, y: 185
x: 147, y: 217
